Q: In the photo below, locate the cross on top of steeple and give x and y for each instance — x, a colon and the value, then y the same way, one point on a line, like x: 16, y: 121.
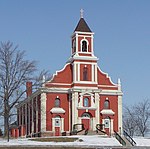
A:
x: 81, y: 13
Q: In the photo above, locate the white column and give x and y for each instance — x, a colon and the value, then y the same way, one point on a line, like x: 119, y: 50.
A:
x: 78, y: 71
x: 77, y: 50
x: 53, y: 124
x: 29, y: 117
x: 32, y: 131
x: 112, y: 126
x: 94, y: 123
x: 26, y: 117
x: 43, y: 112
x: 93, y: 73
x: 97, y: 112
x: 62, y: 124
x: 120, y: 114
x: 74, y: 108
x: 37, y: 114
x: 92, y: 44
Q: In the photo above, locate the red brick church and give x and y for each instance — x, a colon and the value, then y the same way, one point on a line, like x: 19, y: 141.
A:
x: 78, y: 99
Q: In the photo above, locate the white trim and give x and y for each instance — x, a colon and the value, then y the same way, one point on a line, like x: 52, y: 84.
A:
x: 86, y: 63
x: 107, y: 86
x: 59, y: 84
x: 107, y: 112
x: 89, y: 58
x: 106, y: 76
x: 57, y: 110
x: 85, y: 82
x: 56, y: 90
x: 84, y: 87
x: 87, y: 108
x: 90, y: 33
x: 56, y: 73
x: 110, y: 92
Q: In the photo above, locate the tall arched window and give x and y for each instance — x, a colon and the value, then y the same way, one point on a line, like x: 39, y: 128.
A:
x: 84, y: 46
x: 86, y: 102
x: 106, y: 104
x: 57, y: 102
x: 85, y: 74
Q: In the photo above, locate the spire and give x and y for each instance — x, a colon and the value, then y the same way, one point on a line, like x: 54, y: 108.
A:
x: 82, y: 25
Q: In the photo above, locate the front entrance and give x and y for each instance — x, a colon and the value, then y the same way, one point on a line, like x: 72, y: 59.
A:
x: 86, y: 123
x: 86, y: 120
x: 57, y: 126
x: 107, y: 123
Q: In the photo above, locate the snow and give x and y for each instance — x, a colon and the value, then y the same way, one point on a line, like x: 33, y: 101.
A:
x: 87, y: 141
x: 94, y: 140
x: 140, y: 141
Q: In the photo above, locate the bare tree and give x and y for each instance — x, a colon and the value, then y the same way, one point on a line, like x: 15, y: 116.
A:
x: 129, y: 124
x: 137, y: 118
x: 15, y: 71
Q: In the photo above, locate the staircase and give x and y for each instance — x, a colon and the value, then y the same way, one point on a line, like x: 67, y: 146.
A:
x: 125, y: 140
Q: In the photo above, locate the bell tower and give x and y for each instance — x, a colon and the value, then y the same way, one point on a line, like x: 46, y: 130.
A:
x: 82, y: 55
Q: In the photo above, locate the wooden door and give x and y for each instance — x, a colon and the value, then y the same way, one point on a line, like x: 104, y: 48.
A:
x: 57, y: 131
x: 86, y: 123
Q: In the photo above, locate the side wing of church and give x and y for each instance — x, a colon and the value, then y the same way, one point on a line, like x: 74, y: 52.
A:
x: 79, y: 99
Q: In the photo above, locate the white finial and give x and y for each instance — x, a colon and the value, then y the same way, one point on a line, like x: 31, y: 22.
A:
x: 81, y: 13
x: 119, y: 84
x: 43, y: 79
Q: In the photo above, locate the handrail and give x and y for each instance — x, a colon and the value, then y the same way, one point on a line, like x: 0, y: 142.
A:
x: 119, y: 138
x: 100, y: 127
x: 75, y: 130
x: 129, y: 138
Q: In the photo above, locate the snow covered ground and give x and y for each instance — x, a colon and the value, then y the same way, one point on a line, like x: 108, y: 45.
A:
x: 140, y: 141
x: 87, y: 141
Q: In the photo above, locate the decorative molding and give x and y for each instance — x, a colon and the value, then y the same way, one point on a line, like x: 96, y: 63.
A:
x: 56, y: 73
x: 57, y: 110
x: 107, y: 112
x: 107, y: 76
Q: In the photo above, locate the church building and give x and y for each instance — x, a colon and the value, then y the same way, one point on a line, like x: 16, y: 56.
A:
x: 79, y: 99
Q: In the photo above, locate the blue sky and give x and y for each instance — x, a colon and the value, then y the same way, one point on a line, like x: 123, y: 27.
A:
x: 122, y: 36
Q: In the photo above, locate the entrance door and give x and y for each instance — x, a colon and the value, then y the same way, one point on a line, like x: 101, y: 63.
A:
x: 86, y: 120
x: 57, y: 131
x: 57, y: 126
x: 86, y: 123
x: 107, y: 125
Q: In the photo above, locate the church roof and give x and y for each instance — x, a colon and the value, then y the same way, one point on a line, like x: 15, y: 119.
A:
x: 82, y: 26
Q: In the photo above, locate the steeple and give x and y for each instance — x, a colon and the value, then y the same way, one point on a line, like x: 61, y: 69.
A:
x: 82, y: 25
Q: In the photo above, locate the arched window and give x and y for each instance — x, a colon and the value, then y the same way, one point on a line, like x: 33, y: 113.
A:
x: 84, y: 46
x: 57, y: 102
x: 85, y: 74
x: 86, y: 102
x: 106, y: 104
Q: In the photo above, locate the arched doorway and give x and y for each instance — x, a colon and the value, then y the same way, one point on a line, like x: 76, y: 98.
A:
x: 86, y: 120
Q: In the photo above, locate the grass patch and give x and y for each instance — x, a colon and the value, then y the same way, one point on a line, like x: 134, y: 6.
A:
x: 55, y: 139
